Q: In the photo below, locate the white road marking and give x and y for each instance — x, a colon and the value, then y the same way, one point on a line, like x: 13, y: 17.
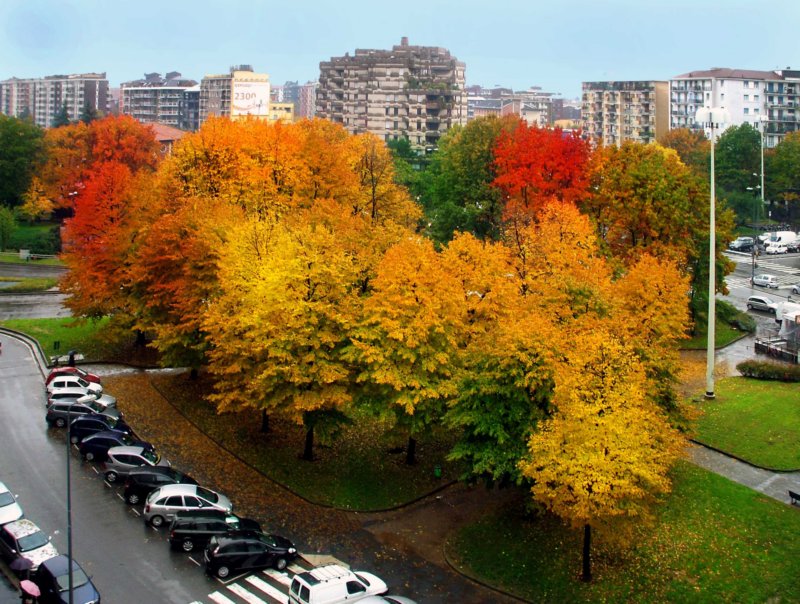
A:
x: 245, y: 595
x: 195, y: 561
x: 220, y: 599
x: 278, y: 576
x: 267, y: 589
x: 296, y: 568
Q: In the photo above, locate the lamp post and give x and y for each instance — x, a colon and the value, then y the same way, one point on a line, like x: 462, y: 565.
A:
x: 754, y: 249
x: 713, y: 118
x: 69, y: 501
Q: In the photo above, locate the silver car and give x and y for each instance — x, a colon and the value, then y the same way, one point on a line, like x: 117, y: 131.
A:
x: 163, y: 503
x: 762, y: 303
x: 9, y: 508
x: 122, y: 460
x: 70, y: 395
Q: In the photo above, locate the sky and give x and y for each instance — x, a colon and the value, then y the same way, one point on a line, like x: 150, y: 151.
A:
x: 555, y: 45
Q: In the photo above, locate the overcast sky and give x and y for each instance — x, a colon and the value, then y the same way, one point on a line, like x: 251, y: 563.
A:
x: 515, y: 43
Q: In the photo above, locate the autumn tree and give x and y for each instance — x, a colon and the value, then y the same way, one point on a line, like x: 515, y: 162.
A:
x: 692, y: 147
x: 21, y: 151
x: 535, y: 165
x: 603, y: 456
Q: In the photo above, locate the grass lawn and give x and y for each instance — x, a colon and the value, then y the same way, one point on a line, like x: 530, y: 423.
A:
x: 714, y: 541
x: 13, y: 258
x: 83, y: 336
x: 724, y: 334
x: 27, y: 285
x: 360, y: 469
x: 757, y: 420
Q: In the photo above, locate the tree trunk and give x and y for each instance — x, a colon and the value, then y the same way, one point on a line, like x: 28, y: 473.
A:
x: 587, y: 560
x: 308, y: 452
x: 264, y: 421
x: 193, y: 374
x: 140, y: 341
x: 411, y: 451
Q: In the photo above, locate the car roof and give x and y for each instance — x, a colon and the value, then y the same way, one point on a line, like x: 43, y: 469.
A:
x: 126, y: 450
x: 106, y: 434
x: 21, y: 528
x: 3, y: 488
x: 177, y: 489
x: 57, y: 565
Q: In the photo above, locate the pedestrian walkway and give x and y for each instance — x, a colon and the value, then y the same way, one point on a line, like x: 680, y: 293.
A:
x: 269, y: 586
x: 773, y: 484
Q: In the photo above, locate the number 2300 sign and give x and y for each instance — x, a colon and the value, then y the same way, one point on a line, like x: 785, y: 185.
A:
x: 244, y: 96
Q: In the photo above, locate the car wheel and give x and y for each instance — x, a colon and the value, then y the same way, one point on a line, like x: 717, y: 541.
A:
x: 157, y: 521
x: 61, y: 422
x: 111, y: 476
x: 280, y: 564
x: 132, y: 498
x: 89, y: 456
x: 223, y: 572
x: 187, y: 545
x: 74, y: 439
x: 795, y: 290
x: 749, y: 307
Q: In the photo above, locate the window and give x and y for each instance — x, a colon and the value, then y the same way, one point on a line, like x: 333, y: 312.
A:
x: 755, y: 97
x: 192, y: 502
x: 354, y: 587
x: 746, y: 110
x: 722, y: 97
x: 756, y: 110
x: 174, y: 501
x: 747, y: 97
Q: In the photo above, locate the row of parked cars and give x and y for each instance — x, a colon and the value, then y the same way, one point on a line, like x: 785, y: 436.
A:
x: 28, y: 551
x: 197, y: 517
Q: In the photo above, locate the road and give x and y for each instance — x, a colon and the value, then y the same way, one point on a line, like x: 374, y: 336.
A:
x: 31, y: 306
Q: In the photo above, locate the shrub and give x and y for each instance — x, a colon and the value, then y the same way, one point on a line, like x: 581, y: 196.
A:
x: 39, y: 239
x: 731, y: 315
x: 767, y: 370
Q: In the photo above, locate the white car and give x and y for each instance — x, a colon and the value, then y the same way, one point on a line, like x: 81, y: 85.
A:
x: 766, y: 280
x: 74, y: 381
x: 333, y: 583
x: 796, y: 289
x: 9, y: 508
x: 776, y: 248
x: 23, y: 539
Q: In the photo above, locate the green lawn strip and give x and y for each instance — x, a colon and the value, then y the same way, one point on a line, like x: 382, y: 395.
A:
x: 352, y: 470
x: 757, y: 420
x: 15, y: 259
x: 27, y: 285
x: 724, y: 334
x: 713, y: 541
x: 71, y: 334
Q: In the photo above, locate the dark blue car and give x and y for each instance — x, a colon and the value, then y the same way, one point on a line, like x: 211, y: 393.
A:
x: 53, y: 581
x: 95, y: 446
x: 86, y: 425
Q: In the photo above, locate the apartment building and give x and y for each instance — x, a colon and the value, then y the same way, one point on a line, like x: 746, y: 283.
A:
x: 154, y: 99
x: 615, y: 112
x: 189, y: 109
x: 534, y: 106
x: 413, y: 92
x: 239, y: 93
x: 43, y: 99
x: 758, y: 98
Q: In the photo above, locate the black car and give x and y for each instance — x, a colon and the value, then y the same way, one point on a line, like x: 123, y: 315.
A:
x: 140, y: 482
x: 194, y: 529
x: 53, y: 581
x: 95, y: 446
x: 86, y: 425
x: 247, y: 552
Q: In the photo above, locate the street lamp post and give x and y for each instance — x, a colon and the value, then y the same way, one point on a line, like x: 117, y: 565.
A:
x: 69, y: 501
x: 754, y: 249
x: 713, y: 118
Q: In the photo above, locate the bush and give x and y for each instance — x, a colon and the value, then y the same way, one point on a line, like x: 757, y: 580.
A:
x: 734, y: 317
x: 766, y: 370
x: 39, y: 239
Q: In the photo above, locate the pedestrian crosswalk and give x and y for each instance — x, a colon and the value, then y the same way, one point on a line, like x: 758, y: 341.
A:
x: 268, y: 586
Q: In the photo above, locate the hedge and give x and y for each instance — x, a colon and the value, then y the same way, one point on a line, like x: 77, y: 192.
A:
x: 766, y: 370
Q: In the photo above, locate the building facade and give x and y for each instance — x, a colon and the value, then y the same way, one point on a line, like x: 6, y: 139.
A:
x: 44, y: 99
x: 533, y: 106
x: 236, y: 94
x: 615, y: 112
x: 413, y: 92
x: 154, y: 99
x: 763, y: 99
x: 189, y: 109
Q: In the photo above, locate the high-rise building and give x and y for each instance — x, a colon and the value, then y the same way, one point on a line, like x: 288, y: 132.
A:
x: 43, y: 99
x: 306, y: 103
x: 413, y: 92
x: 155, y: 99
x: 189, y: 109
x: 240, y: 93
x: 748, y: 96
x: 615, y: 112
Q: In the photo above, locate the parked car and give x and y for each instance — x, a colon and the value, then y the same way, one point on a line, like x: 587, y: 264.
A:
x: 60, y: 412
x: 247, y: 552
x: 333, y: 583
x: 23, y: 539
x: 73, y: 381
x: 741, y: 244
x: 777, y: 248
x: 140, y: 482
x: 163, y: 503
x: 69, y: 395
x: 122, y: 460
x: 92, y: 423
x: 766, y: 280
x: 9, y: 508
x: 64, y: 371
x: 53, y: 581
x: 193, y: 530
x: 796, y: 289
x: 95, y: 446
x: 762, y: 303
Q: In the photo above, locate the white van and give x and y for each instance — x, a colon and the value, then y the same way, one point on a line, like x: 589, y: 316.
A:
x: 777, y: 248
x: 333, y: 584
x: 785, y: 237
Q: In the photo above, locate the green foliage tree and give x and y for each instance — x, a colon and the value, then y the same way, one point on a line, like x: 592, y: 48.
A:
x: 8, y: 224
x: 89, y: 114
x: 738, y: 158
x: 21, y: 151
x: 783, y: 174
x: 62, y: 117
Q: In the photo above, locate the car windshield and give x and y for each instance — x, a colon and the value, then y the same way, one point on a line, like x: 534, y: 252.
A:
x: 34, y: 541
x: 78, y: 578
x: 150, y: 456
x: 6, y: 499
x: 126, y: 440
x: 112, y: 423
x: 268, y: 539
x: 207, y: 495
x: 96, y: 406
x: 83, y: 383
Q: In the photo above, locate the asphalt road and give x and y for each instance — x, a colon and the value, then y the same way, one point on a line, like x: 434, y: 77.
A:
x: 129, y: 561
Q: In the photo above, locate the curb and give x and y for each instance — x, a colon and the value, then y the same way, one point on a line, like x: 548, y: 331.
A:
x: 739, y: 459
